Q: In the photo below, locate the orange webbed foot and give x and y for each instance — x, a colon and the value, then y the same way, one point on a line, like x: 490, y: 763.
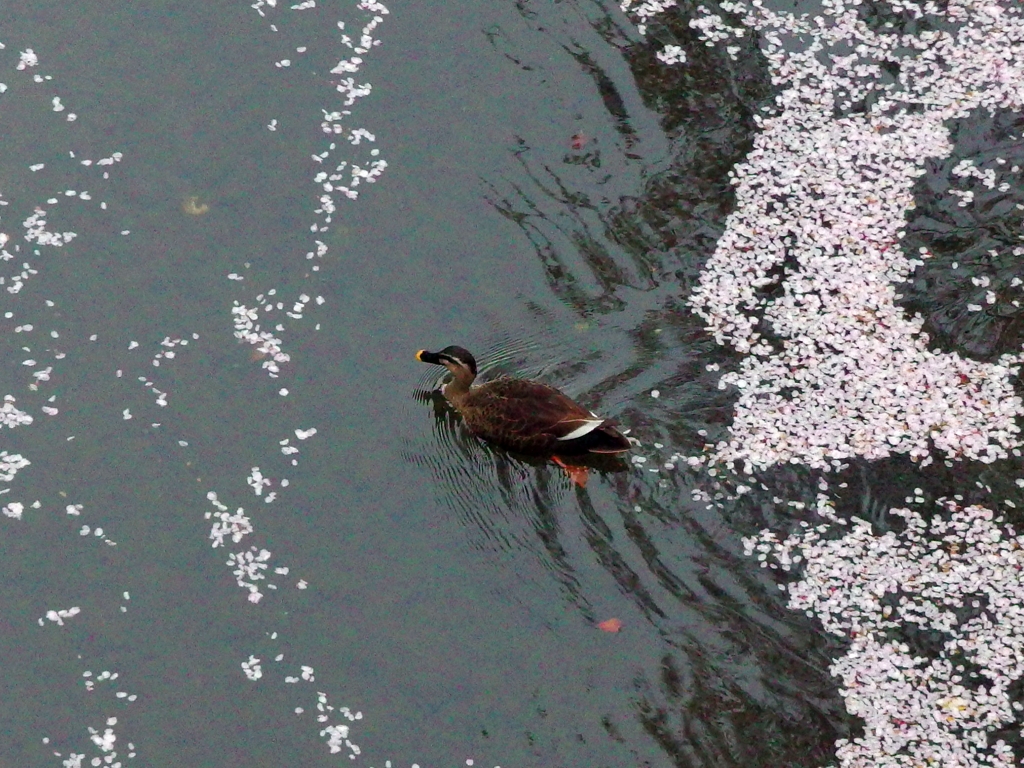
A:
x: 577, y: 474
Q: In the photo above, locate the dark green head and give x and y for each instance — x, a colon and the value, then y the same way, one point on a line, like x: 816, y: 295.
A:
x: 452, y: 358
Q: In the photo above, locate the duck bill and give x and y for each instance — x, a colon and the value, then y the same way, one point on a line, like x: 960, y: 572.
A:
x: 428, y: 357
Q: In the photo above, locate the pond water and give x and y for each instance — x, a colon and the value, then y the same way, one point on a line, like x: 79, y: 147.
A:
x: 223, y: 354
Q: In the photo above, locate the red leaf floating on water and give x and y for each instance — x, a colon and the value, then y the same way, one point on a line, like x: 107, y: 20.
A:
x: 578, y: 141
x: 610, y: 625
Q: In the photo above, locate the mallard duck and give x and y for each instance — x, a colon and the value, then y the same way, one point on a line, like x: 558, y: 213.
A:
x: 523, y: 415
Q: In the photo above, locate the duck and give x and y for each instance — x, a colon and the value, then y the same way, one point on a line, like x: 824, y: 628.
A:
x: 523, y: 415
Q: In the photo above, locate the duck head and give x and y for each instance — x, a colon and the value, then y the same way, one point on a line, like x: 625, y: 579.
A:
x: 458, y: 360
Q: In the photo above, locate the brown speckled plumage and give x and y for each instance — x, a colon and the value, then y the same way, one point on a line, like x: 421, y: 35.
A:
x: 523, y: 415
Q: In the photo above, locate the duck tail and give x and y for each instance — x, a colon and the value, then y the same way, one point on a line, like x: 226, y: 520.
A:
x: 607, y: 439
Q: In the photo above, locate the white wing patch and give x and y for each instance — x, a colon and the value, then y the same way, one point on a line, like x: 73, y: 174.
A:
x: 588, y: 426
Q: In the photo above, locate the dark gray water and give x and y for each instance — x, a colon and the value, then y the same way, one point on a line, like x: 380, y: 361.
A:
x: 548, y: 202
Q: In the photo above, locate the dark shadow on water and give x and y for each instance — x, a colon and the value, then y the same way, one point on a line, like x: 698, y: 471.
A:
x: 974, y: 308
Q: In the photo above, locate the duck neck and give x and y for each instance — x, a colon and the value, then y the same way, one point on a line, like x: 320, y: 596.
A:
x: 457, y: 389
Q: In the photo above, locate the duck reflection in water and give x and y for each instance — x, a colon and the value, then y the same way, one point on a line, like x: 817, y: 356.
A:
x: 529, y: 418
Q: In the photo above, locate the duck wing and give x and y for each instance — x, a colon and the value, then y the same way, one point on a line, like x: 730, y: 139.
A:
x: 529, y: 416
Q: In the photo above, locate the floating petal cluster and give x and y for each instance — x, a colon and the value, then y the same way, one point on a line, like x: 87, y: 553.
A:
x: 804, y: 283
x: 804, y: 279
x: 336, y: 178
x: 956, y: 575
